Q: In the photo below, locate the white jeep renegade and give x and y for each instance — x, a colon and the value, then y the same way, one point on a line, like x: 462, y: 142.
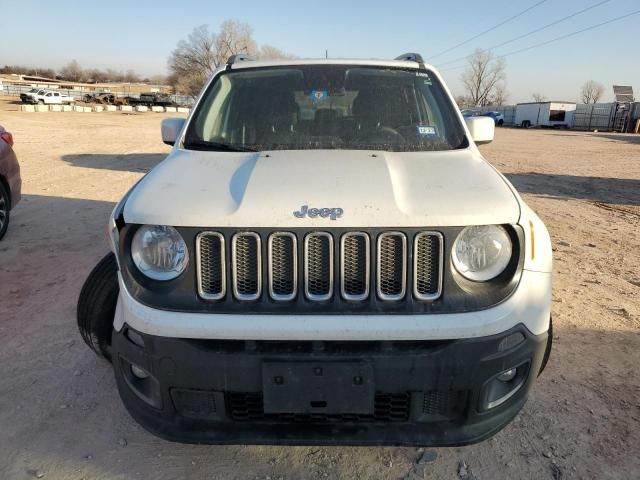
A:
x: 324, y: 258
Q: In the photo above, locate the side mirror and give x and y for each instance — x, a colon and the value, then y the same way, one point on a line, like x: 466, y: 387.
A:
x: 171, y: 128
x: 482, y: 129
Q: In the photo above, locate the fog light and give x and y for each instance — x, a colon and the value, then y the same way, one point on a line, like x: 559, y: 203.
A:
x: 138, y: 372
x: 503, y: 386
x: 508, y: 375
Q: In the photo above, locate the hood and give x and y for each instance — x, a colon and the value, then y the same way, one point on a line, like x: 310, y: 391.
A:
x: 386, y: 189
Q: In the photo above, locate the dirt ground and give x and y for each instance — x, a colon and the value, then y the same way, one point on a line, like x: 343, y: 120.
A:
x: 60, y: 414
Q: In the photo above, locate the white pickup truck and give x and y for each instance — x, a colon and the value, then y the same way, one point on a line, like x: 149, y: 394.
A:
x: 48, y: 97
x: 325, y: 257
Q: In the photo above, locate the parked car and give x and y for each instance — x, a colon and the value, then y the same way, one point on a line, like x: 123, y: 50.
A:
x: 324, y: 257
x: 99, y: 94
x: 24, y: 97
x: 49, y: 97
x: 152, y: 99
x: 498, y: 117
x: 10, y: 181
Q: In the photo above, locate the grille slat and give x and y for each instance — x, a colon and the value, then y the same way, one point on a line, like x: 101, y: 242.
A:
x: 247, y: 266
x: 283, y: 266
x: 392, y: 265
x: 318, y: 266
x: 354, y: 265
x: 210, y: 253
x: 427, y: 266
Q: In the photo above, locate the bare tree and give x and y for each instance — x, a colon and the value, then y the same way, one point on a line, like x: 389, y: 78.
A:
x: 234, y: 37
x: 500, y: 95
x: 538, y: 97
x: 114, y: 75
x: 196, y: 58
x: 72, y: 71
x: 131, y: 76
x: 591, y: 91
x: 483, y: 77
x: 96, y: 75
x: 268, y: 52
x: 462, y: 101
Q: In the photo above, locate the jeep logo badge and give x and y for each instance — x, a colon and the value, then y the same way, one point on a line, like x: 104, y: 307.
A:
x: 332, y: 213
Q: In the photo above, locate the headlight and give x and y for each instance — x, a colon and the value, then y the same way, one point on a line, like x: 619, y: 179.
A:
x: 159, y: 252
x: 482, y: 253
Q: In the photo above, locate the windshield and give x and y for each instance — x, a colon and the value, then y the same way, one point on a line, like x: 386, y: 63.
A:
x: 325, y: 107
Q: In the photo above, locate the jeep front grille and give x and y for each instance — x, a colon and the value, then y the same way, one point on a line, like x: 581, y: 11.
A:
x: 283, y: 266
x: 427, y: 271
x: 210, y: 255
x: 392, y: 265
x: 318, y: 266
x: 246, y: 258
x: 321, y: 266
x: 354, y: 254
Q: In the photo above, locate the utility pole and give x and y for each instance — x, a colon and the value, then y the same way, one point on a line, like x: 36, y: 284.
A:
x: 326, y: 53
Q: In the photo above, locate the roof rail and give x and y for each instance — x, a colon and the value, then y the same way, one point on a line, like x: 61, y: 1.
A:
x: 411, y: 57
x: 239, y: 57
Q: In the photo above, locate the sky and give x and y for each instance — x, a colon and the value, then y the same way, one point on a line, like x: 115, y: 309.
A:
x: 140, y: 35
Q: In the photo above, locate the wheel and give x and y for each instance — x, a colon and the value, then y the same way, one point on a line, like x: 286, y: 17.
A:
x: 547, y: 351
x: 97, y: 306
x: 500, y: 123
x: 5, y: 205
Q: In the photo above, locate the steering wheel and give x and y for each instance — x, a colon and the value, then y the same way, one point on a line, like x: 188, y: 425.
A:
x: 382, y: 135
x: 392, y: 132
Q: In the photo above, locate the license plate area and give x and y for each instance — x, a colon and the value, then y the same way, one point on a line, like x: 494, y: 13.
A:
x: 318, y: 387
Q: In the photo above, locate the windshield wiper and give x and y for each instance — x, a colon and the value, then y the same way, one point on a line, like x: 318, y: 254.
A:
x: 217, y: 147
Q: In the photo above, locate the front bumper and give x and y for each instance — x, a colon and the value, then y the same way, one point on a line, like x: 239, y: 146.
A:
x: 432, y: 392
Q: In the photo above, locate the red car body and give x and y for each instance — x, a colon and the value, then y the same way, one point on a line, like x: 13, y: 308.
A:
x: 9, y: 175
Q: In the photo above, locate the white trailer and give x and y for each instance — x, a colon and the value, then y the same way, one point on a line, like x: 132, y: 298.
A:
x: 545, y: 114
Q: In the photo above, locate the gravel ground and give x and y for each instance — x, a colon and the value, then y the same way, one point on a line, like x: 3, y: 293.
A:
x: 60, y: 415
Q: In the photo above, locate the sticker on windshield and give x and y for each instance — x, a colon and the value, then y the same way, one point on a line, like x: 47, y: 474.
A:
x: 319, y: 95
x: 427, y: 79
x: 427, y: 130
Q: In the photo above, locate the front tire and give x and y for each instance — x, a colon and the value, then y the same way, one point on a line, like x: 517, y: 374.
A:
x: 97, y: 306
x: 5, y: 206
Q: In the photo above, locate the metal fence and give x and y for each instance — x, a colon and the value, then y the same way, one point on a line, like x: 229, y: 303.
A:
x: 79, y: 93
x: 594, y: 116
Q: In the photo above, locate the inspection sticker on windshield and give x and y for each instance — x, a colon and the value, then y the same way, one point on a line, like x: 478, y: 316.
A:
x: 427, y: 79
x: 319, y: 95
x: 426, y: 130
